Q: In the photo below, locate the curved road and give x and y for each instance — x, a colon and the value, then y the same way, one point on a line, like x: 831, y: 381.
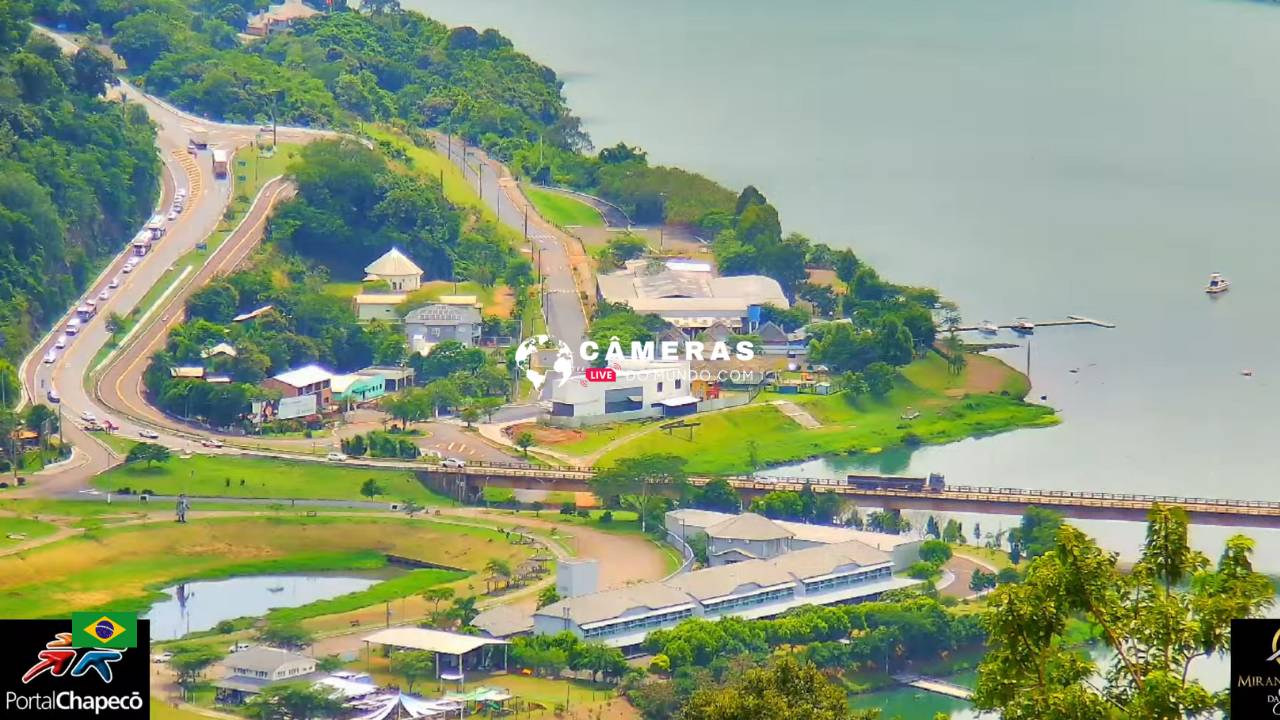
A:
x: 117, y: 394
x: 206, y: 201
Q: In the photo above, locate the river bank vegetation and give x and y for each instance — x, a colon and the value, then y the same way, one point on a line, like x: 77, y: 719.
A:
x: 951, y: 407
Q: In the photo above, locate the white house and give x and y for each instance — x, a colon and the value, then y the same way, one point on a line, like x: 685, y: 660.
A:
x: 397, y: 269
x: 248, y: 672
x: 659, y: 388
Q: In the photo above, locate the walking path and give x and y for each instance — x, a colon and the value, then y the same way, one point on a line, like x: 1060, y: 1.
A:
x: 797, y: 413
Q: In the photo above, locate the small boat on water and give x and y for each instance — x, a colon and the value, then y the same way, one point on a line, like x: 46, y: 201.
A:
x: 1217, y: 284
x: 1023, y: 326
x: 276, y: 589
x: 986, y: 327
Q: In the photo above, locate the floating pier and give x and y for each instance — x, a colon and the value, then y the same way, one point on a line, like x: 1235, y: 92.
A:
x: 1070, y: 320
x: 941, y: 687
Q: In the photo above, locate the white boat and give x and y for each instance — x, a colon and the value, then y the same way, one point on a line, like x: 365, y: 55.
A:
x: 1023, y: 326
x: 986, y: 327
x: 1217, y: 284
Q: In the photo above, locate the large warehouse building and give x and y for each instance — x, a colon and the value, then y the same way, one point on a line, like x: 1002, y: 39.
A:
x: 827, y: 575
x: 690, y: 296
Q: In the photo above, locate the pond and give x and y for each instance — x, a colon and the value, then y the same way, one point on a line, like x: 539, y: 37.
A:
x: 906, y: 703
x: 202, y: 604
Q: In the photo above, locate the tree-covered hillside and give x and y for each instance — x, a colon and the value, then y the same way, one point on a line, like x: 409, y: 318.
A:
x: 78, y: 175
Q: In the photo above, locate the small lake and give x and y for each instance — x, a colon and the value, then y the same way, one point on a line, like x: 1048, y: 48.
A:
x: 202, y: 604
x: 905, y: 703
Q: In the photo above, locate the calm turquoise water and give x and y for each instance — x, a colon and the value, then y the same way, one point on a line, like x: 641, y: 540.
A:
x: 1093, y: 157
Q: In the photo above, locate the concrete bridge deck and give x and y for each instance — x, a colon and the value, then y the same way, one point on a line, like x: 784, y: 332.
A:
x: 470, y: 481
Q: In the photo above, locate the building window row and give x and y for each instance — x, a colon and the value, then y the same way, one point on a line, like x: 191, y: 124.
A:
x: 841, y: 581
x: 764, y: 598
x: 644, y: 623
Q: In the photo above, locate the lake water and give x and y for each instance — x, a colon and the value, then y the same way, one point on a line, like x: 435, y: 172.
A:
x: 1091, y: 157
x: 203, y: 604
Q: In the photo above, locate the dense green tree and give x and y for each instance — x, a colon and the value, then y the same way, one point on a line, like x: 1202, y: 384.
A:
x: 880, y: 377
x: 149, y: 453
x: 787, y: 689
x: 413, y: 665
x: 1171, y: 608
x: 936, y: 552
x: 718, y: 495
x: 286, y: 635
x: 294, y: 701
x: 637, y: 480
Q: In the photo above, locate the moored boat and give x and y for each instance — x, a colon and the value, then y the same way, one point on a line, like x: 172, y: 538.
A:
x: 986, y: 327
x: 1023, y: 326
x: 1217, y: 284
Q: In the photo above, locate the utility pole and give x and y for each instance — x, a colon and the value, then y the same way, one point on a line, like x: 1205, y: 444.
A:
x: 526, y: 223
x: 479, y: 178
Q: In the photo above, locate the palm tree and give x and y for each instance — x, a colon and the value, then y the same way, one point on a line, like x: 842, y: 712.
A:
x: 464, y: 610
x: 956, y: 360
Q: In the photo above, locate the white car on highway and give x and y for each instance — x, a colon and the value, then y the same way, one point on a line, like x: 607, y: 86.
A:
x: 104, y: 294
x: 115, y: 282
x: 173, y: 214
x: 149, y: 434
x: 61, y: 342
x: 51, y: 356
x: 88, y: 416
x: 453, y: 463
x: 335, y: 457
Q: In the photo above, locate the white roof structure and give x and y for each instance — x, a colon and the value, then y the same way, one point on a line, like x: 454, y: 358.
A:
x: 393, y: 263
x: 504, y: 621
x: 688, y: 296
x: 219, y: 349
x: 431, y: 640
x: 749, y: 526
x: 379, y: 298
x: 710, y: 521
x: 304, y: 376
x: 689, y: 589
x: 264, y: 659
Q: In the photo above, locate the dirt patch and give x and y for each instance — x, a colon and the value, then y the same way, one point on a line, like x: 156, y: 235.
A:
x: 504, y: 302
x: 985, y: 375
x: 222, y: 550
x: 962, y: 567
x: 544, y: 435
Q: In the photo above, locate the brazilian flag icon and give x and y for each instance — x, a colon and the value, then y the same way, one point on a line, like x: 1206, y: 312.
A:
x: 104, y: 630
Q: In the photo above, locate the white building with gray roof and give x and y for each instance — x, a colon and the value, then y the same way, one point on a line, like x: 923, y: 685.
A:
x: 692, y: 299
x: 827, y: 575
x: 748, y: 536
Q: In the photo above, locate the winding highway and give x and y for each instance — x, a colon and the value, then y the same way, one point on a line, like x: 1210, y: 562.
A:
x: 110, y: 388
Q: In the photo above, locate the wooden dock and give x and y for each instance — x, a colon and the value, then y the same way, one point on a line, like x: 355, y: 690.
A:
x: 933, y: 685
x: 1070, y: 320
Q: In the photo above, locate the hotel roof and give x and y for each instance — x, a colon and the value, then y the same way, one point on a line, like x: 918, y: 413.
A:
x: 713, y: 582
x: 749, y: 526
x: 430, y: 640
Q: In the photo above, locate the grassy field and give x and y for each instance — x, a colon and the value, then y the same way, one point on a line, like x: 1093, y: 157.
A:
x: 233, y: 476
x: 121, y: 567
x: 32, y: 529
x: 562, y: 210
x: 947, y: 413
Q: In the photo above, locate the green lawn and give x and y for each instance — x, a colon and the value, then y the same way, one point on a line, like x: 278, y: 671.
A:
x: 411, y: 583
x: 32, y: 529
x: 563, y: 210
x: 232, y: 476
x: 595, y: 438
x: 867, y: 425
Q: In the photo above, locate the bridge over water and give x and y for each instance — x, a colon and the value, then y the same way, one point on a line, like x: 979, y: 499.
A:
x: 469, y: 482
